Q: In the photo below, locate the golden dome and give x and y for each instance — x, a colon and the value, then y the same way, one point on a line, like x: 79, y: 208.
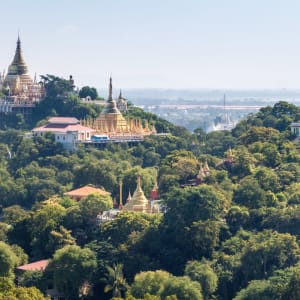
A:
x: 138, y: 202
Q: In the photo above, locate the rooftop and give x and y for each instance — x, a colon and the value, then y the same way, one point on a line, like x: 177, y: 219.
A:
x: 85, y: 191
x: 56, y: 127
x: 35, y: 266
x: 63, y: 120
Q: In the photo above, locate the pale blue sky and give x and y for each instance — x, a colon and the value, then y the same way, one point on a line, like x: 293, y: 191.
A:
x: 158, y: 43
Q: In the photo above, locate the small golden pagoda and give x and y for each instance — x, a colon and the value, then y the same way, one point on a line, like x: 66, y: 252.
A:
x: 111, y: 122
x: 18, y: 80
x: 138, y: 202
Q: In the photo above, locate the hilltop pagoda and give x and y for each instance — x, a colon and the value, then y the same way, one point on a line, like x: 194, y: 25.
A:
x: 112, y: 123
x: 20, y: 86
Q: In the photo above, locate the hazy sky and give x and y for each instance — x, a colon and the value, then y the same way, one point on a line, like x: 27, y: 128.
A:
x: 158, y: 43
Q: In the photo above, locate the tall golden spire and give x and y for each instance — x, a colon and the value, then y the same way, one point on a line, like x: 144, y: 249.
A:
x: 110, y: 98
x: 111, y: 105
x: 18, y: 65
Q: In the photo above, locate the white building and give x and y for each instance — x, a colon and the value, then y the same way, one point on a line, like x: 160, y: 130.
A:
x: 295, y: 128
x: 67, y: 131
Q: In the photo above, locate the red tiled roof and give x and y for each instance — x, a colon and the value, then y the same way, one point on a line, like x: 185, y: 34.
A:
x: 61, y: 128
x: 35, y: 266
x: 63, y: 120
x: 85, y: 191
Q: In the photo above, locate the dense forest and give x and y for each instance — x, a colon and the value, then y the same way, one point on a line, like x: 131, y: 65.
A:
x: 233, y: 236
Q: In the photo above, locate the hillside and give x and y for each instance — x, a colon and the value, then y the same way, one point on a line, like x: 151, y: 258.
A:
x: 229, y: 227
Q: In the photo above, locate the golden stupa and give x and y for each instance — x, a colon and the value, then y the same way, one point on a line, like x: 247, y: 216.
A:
x: 18, y: 80
x: 111, y: 122
x: 138, y: 202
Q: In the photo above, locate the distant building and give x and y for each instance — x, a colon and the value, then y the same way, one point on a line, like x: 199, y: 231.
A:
x: 85, y: 191
x: 295, y: 128
x: 21, y: 91
x: 67, y: 131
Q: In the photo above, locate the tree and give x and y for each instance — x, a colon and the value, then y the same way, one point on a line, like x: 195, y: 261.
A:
x: 14, y: 214
x: 92, y: 205
x: 261, y: 134
x: 8, y: 260
x: 151, y: 282
x: 165, y: 285
x: 267, y: 179
x: 115, y: 280
x: 56, y: 86
x: 237, y: 217
x: 249, y: 193
x: 267, y: 251
x: 183, y: 287
x: 8, y: 291
x: 184, y: 206
x: 201, y: 272
x: 88, y: 91
x: 70, y: 268
x: 120, y: 228
x: 44, y: 220
x: 257, y: 289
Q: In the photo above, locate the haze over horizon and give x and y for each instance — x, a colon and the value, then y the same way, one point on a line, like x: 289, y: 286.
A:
x: 193, y: 44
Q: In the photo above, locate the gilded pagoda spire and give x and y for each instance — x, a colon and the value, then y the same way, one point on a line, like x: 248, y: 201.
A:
x: 111, y: 105
x: 18, y: 65
x: 110, y: 97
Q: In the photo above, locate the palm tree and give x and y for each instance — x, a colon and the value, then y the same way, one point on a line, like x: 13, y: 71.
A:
x: 115, y: 280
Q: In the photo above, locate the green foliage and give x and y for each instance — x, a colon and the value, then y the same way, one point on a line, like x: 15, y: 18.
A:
x: 129, y: 222
x: 249, y: 193
x: 198, y: 222
x: 204, y: 274
x: 257, y: 289
x: 151, y: 282
x: 266, y: 252
x: 184, y: 206
x: 8, y: 260
x: 115, y: 280
x: 92, y: 205
x: 8, y: 291
x: 163, y: 284
x: 45, y: 220
x: 70, y: 268
x: 88, y: 91
x: 183, y: 288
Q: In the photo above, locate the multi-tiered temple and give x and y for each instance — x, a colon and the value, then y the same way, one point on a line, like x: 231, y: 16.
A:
x: 21, y: 92
x: 112, y: 123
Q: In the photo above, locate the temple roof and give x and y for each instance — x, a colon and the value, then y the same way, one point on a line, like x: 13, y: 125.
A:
x: 63, y: 120
x: 35, y: 266
x: 18, y: 65
x: 85, y: 191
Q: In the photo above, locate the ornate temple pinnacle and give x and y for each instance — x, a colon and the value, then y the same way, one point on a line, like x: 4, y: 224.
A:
x: 139, y: 188
x: 18, y: 65
x: 110, y: 89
